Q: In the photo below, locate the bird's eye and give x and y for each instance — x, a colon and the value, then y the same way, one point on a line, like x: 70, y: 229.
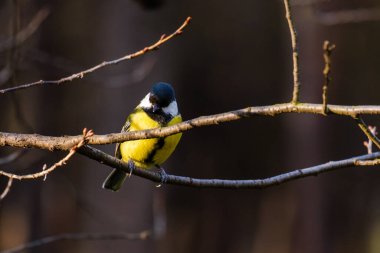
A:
x: 153, y: 99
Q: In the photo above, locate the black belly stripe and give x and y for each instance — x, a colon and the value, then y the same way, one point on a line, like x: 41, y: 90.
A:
x: 159, y: 144
x: 163, y: 119
x: 159, y: 116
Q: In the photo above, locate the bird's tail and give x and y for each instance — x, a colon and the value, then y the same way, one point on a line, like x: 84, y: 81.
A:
x: 115, y: 180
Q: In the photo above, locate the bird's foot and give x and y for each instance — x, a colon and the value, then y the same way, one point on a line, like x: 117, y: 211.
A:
x: 163, y: 176
x: 131, y: 166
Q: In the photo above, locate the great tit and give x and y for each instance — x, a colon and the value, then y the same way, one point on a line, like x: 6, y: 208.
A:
x: 157, y: 109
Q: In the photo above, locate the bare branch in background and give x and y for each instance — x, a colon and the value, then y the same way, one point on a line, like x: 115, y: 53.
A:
x: 348, y: 16
x: 81, y: 74
x: 327, y: 50
x: 80, y: 237
x: 340, y: 17
x: 12, y: 156
x: 293, y: 36
x: 138, y: 74
x: 306, y: 3
x: 24, y: 34
x: 5, y: 74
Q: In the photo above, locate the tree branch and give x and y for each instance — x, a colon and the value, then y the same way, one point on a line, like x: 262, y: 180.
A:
x: 113, y: 162
x: 81, y: 74
x: 327, y: 50
x: 45, y: 171
x: 371, y: 136
x: 80, y: 237
x: 66, y: 142
x: 293, y: 36
x: 7, y: 188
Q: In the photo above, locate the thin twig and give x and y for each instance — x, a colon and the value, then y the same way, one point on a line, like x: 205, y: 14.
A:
x: 81, y: 74
x: 66, y: 142
x: 363, y: 126
x: 327, y: 50
x: 24, y: 34
x: 7, y: 188
x: 368, y: 163
x: 293, y: 36
x: 368, y: 144
x: 113, y: 162
x: 80, y: 237
x: 44, y: 172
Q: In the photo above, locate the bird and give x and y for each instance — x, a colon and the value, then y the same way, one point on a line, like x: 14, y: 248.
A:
x: 157, y: 109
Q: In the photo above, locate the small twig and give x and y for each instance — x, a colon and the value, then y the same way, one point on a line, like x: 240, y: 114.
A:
x: 327, y: 50
x: 368, y: 144
x: 80, y: 237
x: 81, y: 74
x: 7, y: 188
x: 44, y: 172
x: 24, y: 34
x: 293, y: 36
x: 363, y: 126
x: 368, y: 163
x: 113, y: 162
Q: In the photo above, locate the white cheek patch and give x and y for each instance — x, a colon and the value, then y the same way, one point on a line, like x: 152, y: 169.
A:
x: 171, y: 109
x: 145, y: 103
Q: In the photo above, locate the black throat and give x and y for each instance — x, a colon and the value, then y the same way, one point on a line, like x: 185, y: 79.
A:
x: 159, y: 116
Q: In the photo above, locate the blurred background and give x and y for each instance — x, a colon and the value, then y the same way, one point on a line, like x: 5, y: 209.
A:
x: 232, y: 55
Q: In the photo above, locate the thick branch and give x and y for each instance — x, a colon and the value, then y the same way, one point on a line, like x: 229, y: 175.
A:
x: 224, y: 183
x: 45, y: 170
x: 81, y: 74
x: 66, y: 142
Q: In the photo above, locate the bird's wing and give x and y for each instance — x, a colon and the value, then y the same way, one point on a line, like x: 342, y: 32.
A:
x: 124, y: 129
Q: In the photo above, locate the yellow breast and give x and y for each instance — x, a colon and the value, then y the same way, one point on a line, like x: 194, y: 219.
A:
x: 149, y: 152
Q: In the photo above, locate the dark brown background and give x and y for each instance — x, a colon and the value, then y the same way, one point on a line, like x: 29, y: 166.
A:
x: 233, y: 55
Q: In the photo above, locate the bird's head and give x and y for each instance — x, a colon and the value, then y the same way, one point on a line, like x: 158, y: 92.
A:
x: 161, y: 99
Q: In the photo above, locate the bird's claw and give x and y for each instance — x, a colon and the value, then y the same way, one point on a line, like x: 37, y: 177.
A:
x: 131, y: 166
x: 163, y: 176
